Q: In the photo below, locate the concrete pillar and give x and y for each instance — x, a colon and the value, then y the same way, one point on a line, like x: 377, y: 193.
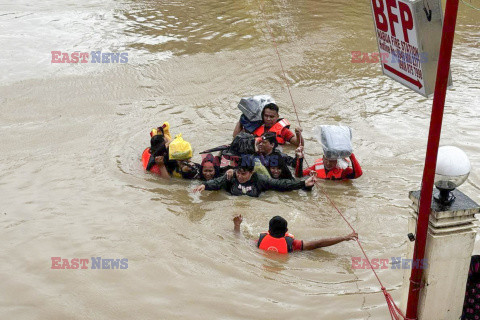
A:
x: 450, y: 241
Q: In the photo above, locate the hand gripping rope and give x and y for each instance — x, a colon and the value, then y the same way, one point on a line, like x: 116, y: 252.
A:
x: 395, y: 312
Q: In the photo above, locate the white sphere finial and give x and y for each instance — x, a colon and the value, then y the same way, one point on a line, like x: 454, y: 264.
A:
x: 453, y: 167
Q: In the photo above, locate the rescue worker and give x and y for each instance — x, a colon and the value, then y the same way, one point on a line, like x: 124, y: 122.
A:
x: 329, y: 168
x: 277, y: 239
x: 247, y: 182
x: 273, y: 123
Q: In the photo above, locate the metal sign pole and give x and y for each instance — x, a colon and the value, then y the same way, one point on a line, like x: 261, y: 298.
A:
x: 446, y: 45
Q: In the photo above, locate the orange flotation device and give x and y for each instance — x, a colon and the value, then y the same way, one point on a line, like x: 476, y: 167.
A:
x: 334, y: 174
x: 277, y: 128
x: 281, y: 245
x: 145, y: 158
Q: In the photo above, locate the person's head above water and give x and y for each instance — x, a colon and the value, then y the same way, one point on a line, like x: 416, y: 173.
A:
x: 329, y: 163
x: 270, y: 114
x: 157, y: 149
x: 267, y: 143
x: 157, y: 146
x: 277, y: 167
x: 277, y: 227
x: 210, y: 168
x: 245, y: 168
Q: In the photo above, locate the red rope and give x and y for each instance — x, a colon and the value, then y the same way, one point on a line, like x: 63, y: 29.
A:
x: 395, y: 312
x: 280, y: 61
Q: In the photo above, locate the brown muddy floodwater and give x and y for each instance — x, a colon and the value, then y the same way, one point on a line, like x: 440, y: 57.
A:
x: 71, y: 136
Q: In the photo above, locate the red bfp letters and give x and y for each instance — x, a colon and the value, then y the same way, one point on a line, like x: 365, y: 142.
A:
x: 386, y: 19
x: 411, y: 41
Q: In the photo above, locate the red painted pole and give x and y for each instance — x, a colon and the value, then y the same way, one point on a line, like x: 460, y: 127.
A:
x: 446, y: 45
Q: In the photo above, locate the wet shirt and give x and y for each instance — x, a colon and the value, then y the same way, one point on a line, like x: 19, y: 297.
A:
x: 297, y: 245
x: 253, y: 187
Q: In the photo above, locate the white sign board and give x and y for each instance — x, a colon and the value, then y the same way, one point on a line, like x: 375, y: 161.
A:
x: 408, y: 35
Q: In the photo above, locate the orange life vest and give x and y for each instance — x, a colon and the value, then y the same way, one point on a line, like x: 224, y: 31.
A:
x: 281, y: 245
x: 277, y: 128
x: 145, y: 158
x: 334, y: 174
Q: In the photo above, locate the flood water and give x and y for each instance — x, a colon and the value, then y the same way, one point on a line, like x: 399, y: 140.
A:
x: 71, y: 138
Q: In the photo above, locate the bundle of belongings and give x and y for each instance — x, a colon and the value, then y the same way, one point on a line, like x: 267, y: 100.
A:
x: 179, y: 149
x: 336, y: 141
x: 252, y: 108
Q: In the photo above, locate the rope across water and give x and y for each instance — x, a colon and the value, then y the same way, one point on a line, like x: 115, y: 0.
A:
x: 395, y: 312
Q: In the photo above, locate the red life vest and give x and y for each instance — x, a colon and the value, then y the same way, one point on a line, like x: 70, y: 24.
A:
x: 277, y: 128
x: 145, y: 157
x: 333, y: 174
x: 281, y: 245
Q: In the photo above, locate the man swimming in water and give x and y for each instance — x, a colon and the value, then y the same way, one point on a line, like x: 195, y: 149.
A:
x: 246, y: 182
x: 277, y: 239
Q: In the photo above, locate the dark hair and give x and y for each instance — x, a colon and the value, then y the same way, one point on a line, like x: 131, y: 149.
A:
x: 157, y: 146
x: 276, y: 160
x: 247, y: 163
x: 270, y: 137
x: 277, y: 227
x: 161, y: 129
x: 271, y: 106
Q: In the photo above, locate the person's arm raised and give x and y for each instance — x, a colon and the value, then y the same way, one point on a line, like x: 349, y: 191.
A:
x: 356, y: 168
x: 237, y: 221
x: 299, y: 162
x: 297, y: 139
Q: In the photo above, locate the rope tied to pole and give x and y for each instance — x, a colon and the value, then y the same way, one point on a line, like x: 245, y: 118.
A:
x: 394, y: 310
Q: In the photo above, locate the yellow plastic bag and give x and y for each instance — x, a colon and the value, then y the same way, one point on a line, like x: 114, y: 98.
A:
x: 179, y: 149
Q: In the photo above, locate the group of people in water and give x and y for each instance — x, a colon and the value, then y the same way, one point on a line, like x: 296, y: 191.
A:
x: 250, y: 165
